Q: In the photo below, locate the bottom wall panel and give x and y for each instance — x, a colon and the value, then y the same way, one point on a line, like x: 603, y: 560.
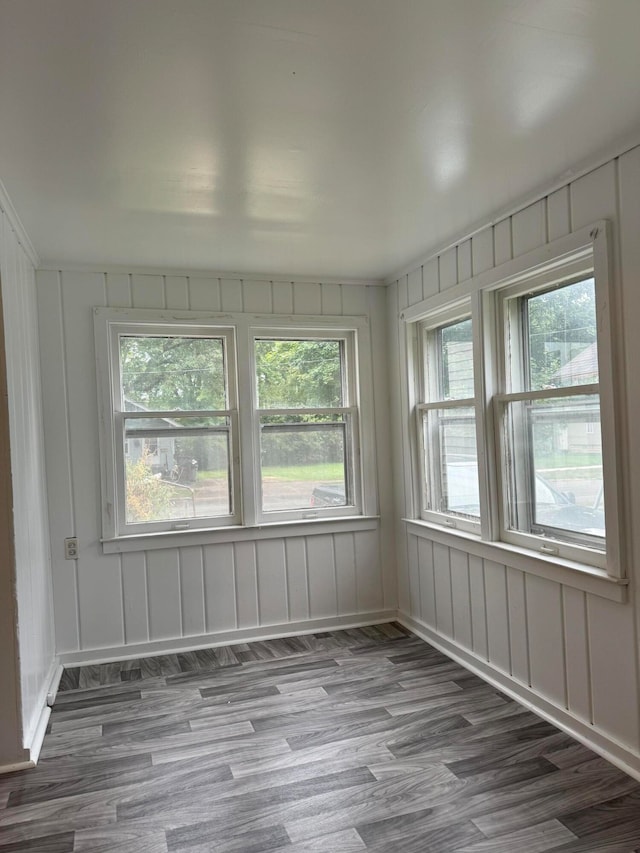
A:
x: 224, y: 638
x: 597, y: 740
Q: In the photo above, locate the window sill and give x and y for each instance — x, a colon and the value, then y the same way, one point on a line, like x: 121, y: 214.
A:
x: 238, y: 533
x: 577, y: 575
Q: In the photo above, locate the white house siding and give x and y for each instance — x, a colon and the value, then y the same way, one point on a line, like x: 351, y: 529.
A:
x: 126, y: 604
x: 32, y: 570
x: 572, y: 654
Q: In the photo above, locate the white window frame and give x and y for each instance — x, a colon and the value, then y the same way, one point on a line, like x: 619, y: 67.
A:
x: 587, y: 252
x: 430, y: 399
x: 349, y: 411
x: 239, y: 331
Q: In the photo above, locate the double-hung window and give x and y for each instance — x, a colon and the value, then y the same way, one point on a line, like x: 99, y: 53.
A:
x: 447, y: 421
x: 211, y: 421
x: 515, y: 406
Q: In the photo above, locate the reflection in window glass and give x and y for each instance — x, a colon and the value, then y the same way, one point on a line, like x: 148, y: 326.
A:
x: 452, y: 460
x: 455, y: 350
x: 561, y: 332
x: 299, y: 374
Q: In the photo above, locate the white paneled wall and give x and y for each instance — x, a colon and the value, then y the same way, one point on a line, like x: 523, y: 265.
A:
x: 128, y: 604
x: 31, y: 529
x: 572, y: 654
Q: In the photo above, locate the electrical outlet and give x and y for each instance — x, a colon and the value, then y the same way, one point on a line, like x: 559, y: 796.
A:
x: 71, y: 548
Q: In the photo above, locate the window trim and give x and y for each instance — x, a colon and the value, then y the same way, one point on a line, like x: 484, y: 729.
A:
x: 242, y: 327
x: 591, y: 248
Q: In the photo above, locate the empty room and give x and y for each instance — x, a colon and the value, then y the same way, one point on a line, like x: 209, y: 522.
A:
x: 319, y: 408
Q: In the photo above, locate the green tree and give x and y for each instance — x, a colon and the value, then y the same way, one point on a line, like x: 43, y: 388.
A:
x: 299, y: 374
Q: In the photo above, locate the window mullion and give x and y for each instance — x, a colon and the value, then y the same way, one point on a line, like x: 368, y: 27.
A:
x: 486, y: 381
x: 248, y: 428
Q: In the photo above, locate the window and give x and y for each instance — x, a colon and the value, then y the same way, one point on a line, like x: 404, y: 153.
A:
x: 515, y: 407
x: 307, y: 423
x: 446, y: 423
x: 207, y: 426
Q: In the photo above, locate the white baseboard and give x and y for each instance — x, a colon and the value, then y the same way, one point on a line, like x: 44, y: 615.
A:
x: 16, y: 767
x: 601, y: 743
x: 48, y: 692
x: 91, y: 657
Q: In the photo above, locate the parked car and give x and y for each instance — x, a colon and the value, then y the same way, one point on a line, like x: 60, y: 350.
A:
x: 330, y: 494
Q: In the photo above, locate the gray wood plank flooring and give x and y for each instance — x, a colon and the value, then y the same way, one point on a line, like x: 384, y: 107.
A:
x: 360, y: 740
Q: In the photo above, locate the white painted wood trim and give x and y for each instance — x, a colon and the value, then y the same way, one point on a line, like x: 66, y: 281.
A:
x: 38, y: 735
x: 609, y: 748
x: 586, y: 578
x: 91, y: 657
x: 16, y: 767
x: 14, y: 221
x: 118, y: 269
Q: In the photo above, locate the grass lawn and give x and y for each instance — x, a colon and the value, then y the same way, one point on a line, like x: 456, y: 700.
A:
x: 322, y: 472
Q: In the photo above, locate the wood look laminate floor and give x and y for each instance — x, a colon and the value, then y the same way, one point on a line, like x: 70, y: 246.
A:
x: 358, y: 740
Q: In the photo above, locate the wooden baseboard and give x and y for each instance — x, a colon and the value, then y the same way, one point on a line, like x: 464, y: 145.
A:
x: 91, y: 657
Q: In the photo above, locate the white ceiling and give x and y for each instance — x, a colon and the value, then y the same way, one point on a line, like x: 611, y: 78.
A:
x: 319, y: 137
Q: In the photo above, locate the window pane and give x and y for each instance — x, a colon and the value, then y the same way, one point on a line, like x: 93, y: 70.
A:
x: 455, y: 353
x: 172, y: 373
x: 561, y: 331
x: 451, y: 461
x: 556, y: 482
x: 304, y: 464
x: 169, y: 478
x: 299, y: 374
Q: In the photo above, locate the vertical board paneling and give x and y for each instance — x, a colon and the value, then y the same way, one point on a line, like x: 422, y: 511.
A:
x: 546, y: 638
x: 163, y: 583
x: 403, y: 293
x: 431, y: 278
x: 482, y: 251
x: 322, y: 577
x: 307, y: 298
x: 221, y: 593
x: 529, y: 228
x: 147, y: 291
x: 576, y: 642
x: 118, y: 290
x: 134, y: 596
x: 461, y: 597
x: 478, y: 607
x: 502, y: 247
x: 346, y: 580
x: 257, y: 297
x: 594, y: 197
x: 58, y: 459
x: 231, y: 295
x: 448, y: 269
x: 415, y: 603
x: 331, y: 299
x: 282, y: 297
x: 192, y: 591
x: 204, y: 294
x: 414, y: 286
x: 518, y: 637
x: 464, y: 261
x: 246, y: 584
x: 354, y: 299
x: 176, y: 290
x: 297, y: 580
x: 495, y: 583
x: 613, y: 669
x: 272, y: 582
x: 427, y: 582
x: 558, y: 214
x: 442, y: 576
x: 368, y: 570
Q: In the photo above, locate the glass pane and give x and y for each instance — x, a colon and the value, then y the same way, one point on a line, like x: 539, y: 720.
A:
x: 303, y: 464
x: 451, y: 461
x: 172, y: 373
x: 455, y: 352
x: 169, y: 478
x: 299, y: 374
x: 561, y: 328
x: 556, y: 454
x: 133, y: 425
